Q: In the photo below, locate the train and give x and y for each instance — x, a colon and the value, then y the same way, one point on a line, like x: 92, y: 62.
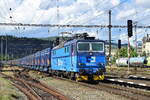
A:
x: 134, y: 62
x: 82, y: 59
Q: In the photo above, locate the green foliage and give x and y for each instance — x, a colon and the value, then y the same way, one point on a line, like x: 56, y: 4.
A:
x: 4, y: 57
x: 123, y: 52
x: 8, y: 91
x: 133, y: 53
x: 18, y: 47
x: 113, y: 61
x: 143, y: 53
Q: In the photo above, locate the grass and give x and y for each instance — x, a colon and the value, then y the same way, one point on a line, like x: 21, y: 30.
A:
x: 8, y: 91
x: 123, y: 70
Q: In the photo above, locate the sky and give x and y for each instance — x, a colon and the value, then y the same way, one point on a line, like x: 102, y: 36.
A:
x: 79, y: 12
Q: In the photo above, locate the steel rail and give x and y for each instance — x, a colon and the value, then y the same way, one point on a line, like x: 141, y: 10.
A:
x: 29, y: 92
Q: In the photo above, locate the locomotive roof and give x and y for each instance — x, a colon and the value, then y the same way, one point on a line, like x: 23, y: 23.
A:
x: 74, y: 41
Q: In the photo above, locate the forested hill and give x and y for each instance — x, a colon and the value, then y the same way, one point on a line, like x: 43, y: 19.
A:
x: 20, y: 46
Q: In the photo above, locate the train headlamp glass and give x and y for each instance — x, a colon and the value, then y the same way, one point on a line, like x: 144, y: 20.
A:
x: 81, y: 64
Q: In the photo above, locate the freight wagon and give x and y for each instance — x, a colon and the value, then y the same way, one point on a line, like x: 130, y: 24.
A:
x: 134, y: 62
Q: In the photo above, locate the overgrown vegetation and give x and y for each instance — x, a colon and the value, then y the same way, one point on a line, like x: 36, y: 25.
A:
x: 18, y: 47
x: 7, y: 91
x: 123, y: 52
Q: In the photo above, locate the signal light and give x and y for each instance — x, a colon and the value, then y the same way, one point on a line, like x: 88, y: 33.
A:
x: 119, y: 44
x: 129, y: 24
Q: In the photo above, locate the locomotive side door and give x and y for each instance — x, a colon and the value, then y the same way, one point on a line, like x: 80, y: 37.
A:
x: 73, y: 48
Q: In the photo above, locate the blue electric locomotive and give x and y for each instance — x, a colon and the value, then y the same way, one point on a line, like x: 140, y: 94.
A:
x: 80, y: 59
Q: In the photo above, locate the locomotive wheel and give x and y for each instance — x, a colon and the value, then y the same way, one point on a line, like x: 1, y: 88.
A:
x: 76, y: 77
x: 71, y: 76
x: 62, y: 76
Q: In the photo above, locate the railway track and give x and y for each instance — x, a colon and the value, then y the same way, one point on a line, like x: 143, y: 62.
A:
x: 134, y: 77
x: 23, y: 87
x: 130, y: 81
x: 129, y: 93
x: 34, y: 89
x: 138, y: 77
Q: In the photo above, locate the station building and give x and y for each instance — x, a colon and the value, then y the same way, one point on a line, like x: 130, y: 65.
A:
x: 146, y: 44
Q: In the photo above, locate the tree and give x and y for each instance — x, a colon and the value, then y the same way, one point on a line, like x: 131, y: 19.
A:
x: 123, y: 52
x: 143, y: 53
x: 133, y: 53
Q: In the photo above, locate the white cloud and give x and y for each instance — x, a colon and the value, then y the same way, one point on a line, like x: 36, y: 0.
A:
x: 143, y: 3
x: 123, y: 14
x: 115, y: 2
x: 75, y: 12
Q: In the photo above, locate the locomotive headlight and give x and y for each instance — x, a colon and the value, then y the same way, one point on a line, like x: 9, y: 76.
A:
x: 81, y: 64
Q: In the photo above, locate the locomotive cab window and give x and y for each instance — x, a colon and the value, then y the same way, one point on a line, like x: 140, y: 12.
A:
x: 83, y: 46
x: 90, y: 46
x: 97, y: 46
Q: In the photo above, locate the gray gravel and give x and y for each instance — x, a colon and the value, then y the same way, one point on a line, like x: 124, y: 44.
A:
x: 79, y: 92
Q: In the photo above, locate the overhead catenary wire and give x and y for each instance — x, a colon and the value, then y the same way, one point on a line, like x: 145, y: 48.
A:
x: 107, y: 10
x: 86, y: 13
x: 142, y: 19
x: 122, y: 2
x: 136, y: 13
x: 6, y: 5
x: 60, y: 25
x: 104, y: 12
x: 3, y: 11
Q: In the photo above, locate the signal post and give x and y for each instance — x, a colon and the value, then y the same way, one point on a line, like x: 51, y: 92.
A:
x: 129, y: 29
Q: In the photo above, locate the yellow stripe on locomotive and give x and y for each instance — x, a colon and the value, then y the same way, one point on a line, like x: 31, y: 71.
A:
x: 94, y: 77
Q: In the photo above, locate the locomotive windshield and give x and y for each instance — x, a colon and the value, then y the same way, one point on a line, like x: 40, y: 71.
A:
x: 93, y: 46
x: 97, y: 46
x: 83, y: 46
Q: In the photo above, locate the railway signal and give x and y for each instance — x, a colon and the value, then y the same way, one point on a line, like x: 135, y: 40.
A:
x: 119, y: 44
x: 129, y: 28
